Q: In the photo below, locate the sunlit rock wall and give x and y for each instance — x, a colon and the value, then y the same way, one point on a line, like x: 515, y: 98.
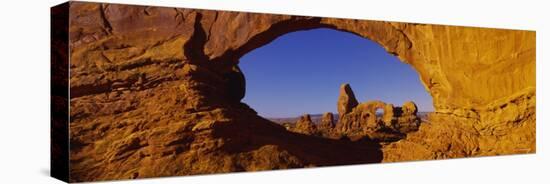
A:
x: 156, y: 92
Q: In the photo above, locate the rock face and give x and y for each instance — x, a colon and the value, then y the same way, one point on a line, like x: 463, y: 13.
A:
x: 156, y: 92
x: 407, y: 121
x: 324, y: 128
x: 346, y: 100
x: 327, y: 122
x: 500, y: 130
x: 361, y: 118
x: 364, y: 121
x: 409, y: 108
x: 305, y: 125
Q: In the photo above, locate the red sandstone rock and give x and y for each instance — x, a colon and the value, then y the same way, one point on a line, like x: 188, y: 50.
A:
x: 346, y: 100
x: 156, y: 92
x: 305, y: 125
x: 327, y: 122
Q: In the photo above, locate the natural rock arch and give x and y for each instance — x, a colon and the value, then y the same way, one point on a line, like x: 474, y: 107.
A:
x: 425, y: 47
x: 216, y: 40
x: 180, y: 91
x: 299, y: 24
x: 452, y: 62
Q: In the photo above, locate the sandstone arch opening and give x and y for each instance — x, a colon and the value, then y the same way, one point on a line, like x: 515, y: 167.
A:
x: 154, y: 90
x: 295, y: 78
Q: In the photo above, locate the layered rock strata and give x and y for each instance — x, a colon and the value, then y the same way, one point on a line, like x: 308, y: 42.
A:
x: 156, y: 92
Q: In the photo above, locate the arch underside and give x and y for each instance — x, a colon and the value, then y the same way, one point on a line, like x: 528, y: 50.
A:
x: 158, y: 89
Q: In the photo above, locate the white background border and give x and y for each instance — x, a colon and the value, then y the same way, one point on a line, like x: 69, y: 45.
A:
x: 24, y: 91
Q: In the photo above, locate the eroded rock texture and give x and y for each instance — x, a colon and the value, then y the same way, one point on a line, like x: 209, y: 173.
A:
x: 305, y: 125
x: 327, y: 122
x: 156, y: 92
x: 363, y: 120
x: 346, y: 100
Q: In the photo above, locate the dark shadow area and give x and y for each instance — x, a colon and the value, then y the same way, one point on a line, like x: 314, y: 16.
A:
x: 251, y: 132
x: 59, y: 95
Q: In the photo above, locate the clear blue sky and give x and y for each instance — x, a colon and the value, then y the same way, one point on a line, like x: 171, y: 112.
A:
x: 301, y: 72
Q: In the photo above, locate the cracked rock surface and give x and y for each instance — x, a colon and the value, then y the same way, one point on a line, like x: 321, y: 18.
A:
x: 156, y: 92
